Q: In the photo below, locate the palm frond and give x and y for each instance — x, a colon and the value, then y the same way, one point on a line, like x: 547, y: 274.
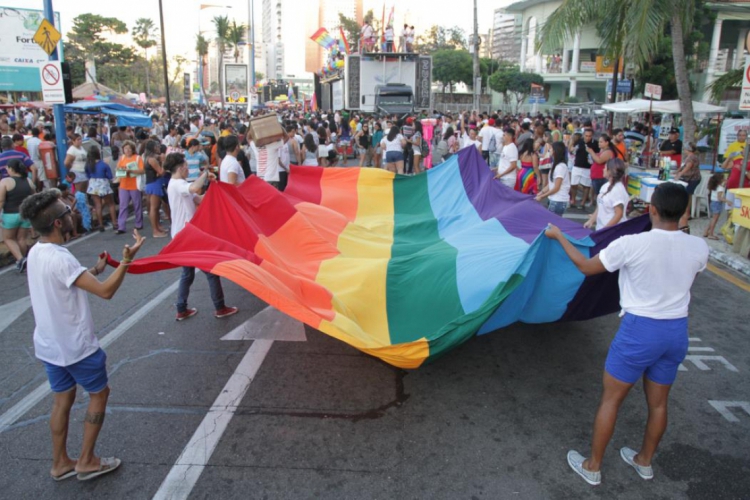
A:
x: 730, y: 79
x: 568, y: 19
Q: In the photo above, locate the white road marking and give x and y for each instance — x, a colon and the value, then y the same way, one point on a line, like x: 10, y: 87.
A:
x: 19, y: 409
x: 698, y: 361
x: 11, y: 311
x: 270, y: 323
x: 267, y: 326
x: 694, y: 339
x: 723, y: 408
x: 701, y: 349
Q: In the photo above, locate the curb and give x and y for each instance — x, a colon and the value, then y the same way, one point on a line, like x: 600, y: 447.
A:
x: 732, y: 261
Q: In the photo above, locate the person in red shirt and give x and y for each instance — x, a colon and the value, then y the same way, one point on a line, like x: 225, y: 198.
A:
x: 18, y: 141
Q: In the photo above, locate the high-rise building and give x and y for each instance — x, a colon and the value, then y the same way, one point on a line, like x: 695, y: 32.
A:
x: 506, y: 36
x: 327, y: 16
x: 284, y: 37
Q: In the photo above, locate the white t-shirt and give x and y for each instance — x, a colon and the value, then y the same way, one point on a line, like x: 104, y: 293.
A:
x: 272, y: 161
x: 508, y: 155
x: 181, y: 203
x: 230, y: 165
x: 466, y: 142
x: 561, y: 171
x: 32, y: 144
x: 64, y: 332
x: 79, y: 159
x: 606, y: 203
x: 657, y: 269
x: 394, y: 145
x: 485, y: 135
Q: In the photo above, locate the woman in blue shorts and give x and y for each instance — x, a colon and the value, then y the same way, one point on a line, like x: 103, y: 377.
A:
x: 155, y: 186
x: 394, y: 144
x: 653, y: 336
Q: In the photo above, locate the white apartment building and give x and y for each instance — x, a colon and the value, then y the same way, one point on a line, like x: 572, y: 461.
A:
x: 284, y: 37
x: 506, y: 36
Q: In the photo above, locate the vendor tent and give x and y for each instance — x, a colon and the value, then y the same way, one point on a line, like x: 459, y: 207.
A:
x: 96, y: 91
x: 671, y: 107
x: 126, y: 116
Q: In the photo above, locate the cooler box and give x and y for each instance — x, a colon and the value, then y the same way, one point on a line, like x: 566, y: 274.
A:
x: 741, y: 215
x: 266, y: 129
x: 634, y: 182
x: 648, y: 186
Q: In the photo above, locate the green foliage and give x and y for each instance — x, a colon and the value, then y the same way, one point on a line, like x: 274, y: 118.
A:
x: 452, y: 66
x: 439, y: 38
x: 509, y: 81
x: 86, y: 40
x: 236, y: 37
x: 259, y: 76
x: 144, y: 33
x: 729, y: 80
x: 351, y: 30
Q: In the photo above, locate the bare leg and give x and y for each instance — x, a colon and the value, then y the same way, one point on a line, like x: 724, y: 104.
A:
x: 98, y: 210
x: 573, y: 194
x: 400, y: 167
x: 656, y: 397
x: 153, y: 215
x: 93, y: 422
x: 167, y: 210
x: 416, y: 168
x: 9, y: 237
x: 712, y: 225
x: 613, y: 394
x: 586, y: 192
x: 58, y: 425
x: 109, y: 200
x: 23, y: 246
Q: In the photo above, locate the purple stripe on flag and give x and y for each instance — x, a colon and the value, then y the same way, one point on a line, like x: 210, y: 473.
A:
x: 519, y: 214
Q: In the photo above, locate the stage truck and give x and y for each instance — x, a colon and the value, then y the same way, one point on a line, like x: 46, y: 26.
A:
x: 381, y: 83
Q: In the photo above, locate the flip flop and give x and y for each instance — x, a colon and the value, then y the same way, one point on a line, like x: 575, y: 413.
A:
x: 105, y: 465
x: 712, y: 237
x: 65, y: 475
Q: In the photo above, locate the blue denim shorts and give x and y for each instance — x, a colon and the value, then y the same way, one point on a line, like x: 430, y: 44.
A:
x: 90, y: 373
x: 655, y: 347
x: 394, y: 156
x: 717, y: 207
x: 557, y: 207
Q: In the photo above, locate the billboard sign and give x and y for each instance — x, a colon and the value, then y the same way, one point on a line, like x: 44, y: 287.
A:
x: 21, y: 56
x: 235, y: 83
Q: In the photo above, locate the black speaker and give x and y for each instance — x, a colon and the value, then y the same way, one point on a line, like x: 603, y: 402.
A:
x: 67, y: 83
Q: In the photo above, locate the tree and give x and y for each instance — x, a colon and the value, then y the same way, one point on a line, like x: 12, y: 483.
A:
x: 509, y: 81
x: 629, y: 30
x: 351, y: 30
x: 201, y: 47
x: 729, y: 80
x: 236, y: 37
x: 85, y: 41
x: 143, y: 34
x: 441, y: 38
x: 221, y: 26
x: 452, y: 66
x: 259, y: 76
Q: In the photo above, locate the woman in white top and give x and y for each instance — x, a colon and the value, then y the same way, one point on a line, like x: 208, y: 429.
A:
x: 231, y: 171
x: 75, y: 161
x: 612, y: 202
x: 393, y: 144
x: 558, y: 191
x: 324, y: 146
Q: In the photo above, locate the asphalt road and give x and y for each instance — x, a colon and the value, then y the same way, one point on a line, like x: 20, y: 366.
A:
x: 492, y: 419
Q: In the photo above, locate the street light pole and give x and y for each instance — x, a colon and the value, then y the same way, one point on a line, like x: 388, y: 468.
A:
x: 251, y: 12
x: 164, y: 63
x: 57, y: 109
x: 475, y: 42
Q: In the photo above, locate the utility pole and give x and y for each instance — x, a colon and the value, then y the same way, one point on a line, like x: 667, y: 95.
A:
x: 61, y: 137
x: 475, y: 43
x: 164, y: 63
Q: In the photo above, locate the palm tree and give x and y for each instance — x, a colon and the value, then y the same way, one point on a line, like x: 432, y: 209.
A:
x: 201, y: 47
x: 221, y: 25
x: 629, y: 30
x: 236, y: 37
x: 143, y: 34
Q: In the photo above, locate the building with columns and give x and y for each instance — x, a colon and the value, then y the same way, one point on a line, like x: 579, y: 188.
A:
x: 728, y: 49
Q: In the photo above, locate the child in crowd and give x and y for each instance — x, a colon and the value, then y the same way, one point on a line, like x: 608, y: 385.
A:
x: 70, y: 200
x: 716, y: 202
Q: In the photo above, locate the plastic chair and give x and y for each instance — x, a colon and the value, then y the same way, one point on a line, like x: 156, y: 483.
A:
x: 700, y: 196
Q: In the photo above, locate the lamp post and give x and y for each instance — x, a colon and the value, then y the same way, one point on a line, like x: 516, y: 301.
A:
x: 164, y: 63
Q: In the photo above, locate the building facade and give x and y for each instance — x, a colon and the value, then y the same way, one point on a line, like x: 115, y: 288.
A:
x: 325, y: 14
x: 506, y: 36
x: 284, y: 32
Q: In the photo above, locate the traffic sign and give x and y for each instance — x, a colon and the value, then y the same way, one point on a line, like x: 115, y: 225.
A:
x: 47, y: 37
x: 652, y: 91
x: 53, y: 90
x: 745, y: 94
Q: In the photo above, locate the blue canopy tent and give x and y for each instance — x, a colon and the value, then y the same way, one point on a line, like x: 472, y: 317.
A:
x: 126, y: 116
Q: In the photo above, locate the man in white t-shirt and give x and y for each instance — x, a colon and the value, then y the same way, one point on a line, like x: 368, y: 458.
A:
x: 486, y: 135
x: 506, y: 170
x: 653, y: 337
x: 268, y: 162
x: 64, y: 337
x: 231, y: 170
x: 184, y: 197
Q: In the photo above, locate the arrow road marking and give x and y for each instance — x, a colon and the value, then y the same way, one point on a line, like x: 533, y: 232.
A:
x: 723, y: 408
x: 698, y: 361
x: 11, y: 311
x: 263, y: 328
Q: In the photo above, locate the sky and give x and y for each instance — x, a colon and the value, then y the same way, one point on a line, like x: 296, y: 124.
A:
x: 181, y: 17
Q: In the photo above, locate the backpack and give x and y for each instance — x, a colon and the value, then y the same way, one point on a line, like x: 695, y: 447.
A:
x: 493, y: 144
x: 425, y: 147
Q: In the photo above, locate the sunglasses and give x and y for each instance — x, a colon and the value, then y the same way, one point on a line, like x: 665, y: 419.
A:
x: 62, y: 215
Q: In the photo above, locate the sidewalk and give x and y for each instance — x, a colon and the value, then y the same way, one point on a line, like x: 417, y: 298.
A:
x: 720, y: 250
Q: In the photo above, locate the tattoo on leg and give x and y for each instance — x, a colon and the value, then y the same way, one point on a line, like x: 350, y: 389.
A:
x: 94, y: 418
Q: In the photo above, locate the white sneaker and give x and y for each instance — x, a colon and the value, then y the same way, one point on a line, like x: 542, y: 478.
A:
x: 646, y: 472
x: 575, y: 460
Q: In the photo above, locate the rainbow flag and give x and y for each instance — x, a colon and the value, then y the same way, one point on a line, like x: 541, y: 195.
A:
x: 345, y: 48
x: 402, y: 268
x: 323, y: 38
x: 313, y: 103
